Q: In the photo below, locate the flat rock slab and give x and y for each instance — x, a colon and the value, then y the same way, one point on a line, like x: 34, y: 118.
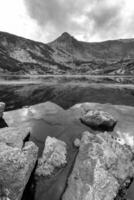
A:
x: 24, y: 115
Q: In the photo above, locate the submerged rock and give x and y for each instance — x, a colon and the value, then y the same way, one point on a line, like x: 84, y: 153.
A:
x: 54, y: 156
x: 102, y: 167
x: 98, y: 119
x: 17, y: 161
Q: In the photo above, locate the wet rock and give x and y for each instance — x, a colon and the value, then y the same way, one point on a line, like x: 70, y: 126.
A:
x: 77, y: 142
x: 27, y: 113
x: 54, y: 156
x: 16, y: 165
x: 101, y: 169
x: 98, y: 119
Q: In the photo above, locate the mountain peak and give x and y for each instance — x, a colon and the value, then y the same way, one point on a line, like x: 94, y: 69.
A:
x: 66, y: 35
x: 65, y: 38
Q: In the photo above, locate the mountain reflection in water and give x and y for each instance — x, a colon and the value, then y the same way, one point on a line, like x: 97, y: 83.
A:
x: 65, y: 91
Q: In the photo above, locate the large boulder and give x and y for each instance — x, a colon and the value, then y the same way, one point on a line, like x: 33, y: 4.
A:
x: 102, y: 168
x: 54, y: 157
x: 17, y: 161
x: 98, y: 119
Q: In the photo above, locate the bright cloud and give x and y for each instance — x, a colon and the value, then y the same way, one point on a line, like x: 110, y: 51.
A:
x: 90, y: 20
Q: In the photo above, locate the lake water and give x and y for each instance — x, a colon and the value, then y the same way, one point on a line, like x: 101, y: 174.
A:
x: 19, y: 91
x: 66, y: 78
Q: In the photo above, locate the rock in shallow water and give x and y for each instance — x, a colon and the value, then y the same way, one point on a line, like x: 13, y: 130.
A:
x: 101, y: 168
x: 98, y: 119
x: 54, y: 156
x: 17, y: 161
x: 67, y: 128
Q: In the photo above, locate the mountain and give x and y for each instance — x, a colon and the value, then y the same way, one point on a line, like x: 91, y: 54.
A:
x: 65, y: 55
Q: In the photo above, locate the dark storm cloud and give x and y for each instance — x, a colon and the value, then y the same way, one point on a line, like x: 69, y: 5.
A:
x: 100, y: 16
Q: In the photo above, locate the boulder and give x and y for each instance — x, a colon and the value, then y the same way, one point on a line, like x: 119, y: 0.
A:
x: 102, y: 168
x: 14, y: 136
x: 98, y: 119
x: 17, y: 161
x: 53, y: 157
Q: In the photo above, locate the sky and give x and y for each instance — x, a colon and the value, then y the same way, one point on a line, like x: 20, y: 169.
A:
x: 87, y: 20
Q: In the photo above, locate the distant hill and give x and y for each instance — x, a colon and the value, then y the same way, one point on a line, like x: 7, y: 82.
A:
x: 65, y: 55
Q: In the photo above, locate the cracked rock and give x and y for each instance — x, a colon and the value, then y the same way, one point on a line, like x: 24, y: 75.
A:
x: 102, y: 167
x: 16, y: 166
x: 53, y: 157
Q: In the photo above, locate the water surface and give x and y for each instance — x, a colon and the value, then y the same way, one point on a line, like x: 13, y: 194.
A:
x: 19, y: 91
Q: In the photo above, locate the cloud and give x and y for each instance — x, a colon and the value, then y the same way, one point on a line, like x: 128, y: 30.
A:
x: 106, y: 17
x: 57, y: 15
x: 86, y: 19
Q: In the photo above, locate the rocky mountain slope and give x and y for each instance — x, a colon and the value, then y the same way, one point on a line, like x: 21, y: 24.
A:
x: 65, y: 55
x: 85, y: 152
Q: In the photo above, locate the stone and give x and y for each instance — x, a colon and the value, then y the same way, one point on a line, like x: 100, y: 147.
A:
x: 14, y: 136
x: 53, y: 157
x: 25, y: 114
x: 101, y: 169
x: 2, y: 108
x: 77, y: 142
x: 98, y: 119
x: 16, y: 166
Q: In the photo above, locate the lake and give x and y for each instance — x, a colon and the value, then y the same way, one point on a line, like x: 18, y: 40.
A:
x: 19, y: 91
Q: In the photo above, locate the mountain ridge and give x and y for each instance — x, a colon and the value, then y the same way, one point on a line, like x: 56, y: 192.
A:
x: 65, y: 55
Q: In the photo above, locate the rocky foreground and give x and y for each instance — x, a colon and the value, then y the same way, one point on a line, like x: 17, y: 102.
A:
x: 83, y: 153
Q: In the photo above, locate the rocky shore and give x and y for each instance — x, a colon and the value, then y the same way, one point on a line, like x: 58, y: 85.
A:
x: 85, y: 152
